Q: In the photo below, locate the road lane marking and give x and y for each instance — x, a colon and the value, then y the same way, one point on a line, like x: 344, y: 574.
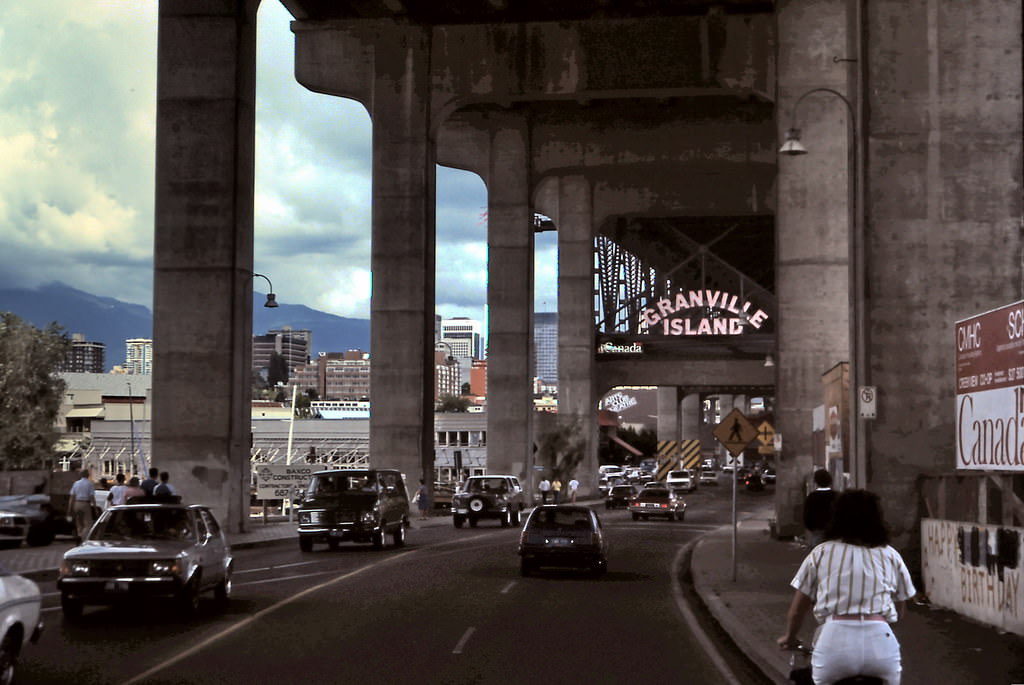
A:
x: 246, y: 622
x: 465, y: 638
x: 508, y: 587
x: 276, y: 566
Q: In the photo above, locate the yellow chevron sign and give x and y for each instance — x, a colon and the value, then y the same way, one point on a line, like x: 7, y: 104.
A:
x: 668, y: 458
x: 689, y: 453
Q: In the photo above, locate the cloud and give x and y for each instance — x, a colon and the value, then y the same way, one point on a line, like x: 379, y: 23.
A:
x: 77, y: 140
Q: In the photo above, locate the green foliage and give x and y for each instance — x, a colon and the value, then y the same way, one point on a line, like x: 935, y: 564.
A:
x: 646, y: 441
x: 277, y: 371
x: 451, y: 404
x: 562, y: 450
x: 30, y: 391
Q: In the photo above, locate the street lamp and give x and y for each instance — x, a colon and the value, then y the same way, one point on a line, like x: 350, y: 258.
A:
x: 857, y: 334
x: 271, y: 297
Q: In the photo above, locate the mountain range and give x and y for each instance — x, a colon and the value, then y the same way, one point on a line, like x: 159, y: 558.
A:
x: 110, y: 321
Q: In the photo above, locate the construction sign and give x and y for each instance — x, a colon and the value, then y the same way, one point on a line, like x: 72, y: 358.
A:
x: 677, y: 454
x: 735, y: 432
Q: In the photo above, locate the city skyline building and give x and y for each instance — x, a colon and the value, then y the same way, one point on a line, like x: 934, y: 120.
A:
x: 138, y: 356
x: 465, y: 337
x: 84, y: 356
x: 293, y: 345
x: 335, y: 376
x: 545, y: 346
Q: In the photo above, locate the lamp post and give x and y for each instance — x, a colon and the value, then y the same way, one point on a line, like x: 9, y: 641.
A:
x: 857, y: 332
x: 271, y: 297
x: 131, y: 423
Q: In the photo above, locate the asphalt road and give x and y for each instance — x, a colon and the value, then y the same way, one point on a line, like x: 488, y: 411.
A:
x: 450, y: 607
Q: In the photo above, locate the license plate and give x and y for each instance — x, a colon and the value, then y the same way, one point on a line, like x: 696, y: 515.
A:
x: 117, y: 586
x: 561, y: 542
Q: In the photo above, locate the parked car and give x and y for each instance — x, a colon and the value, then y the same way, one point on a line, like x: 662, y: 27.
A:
x: 496, y: 497
x: 137, y: 553
x: 620, y: 495
x: 754, y: 482
x: 355, y: 505
x: 31, y: 519
x: 708, y: 478
x: 20, y: 620
x: 682, y: 478
x: 565, y: 535
x: 657, y: 502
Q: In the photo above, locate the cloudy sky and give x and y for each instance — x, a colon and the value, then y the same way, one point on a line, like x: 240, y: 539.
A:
x: 77, y: 129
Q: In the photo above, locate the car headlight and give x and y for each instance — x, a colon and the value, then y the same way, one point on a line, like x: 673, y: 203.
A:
x: 164, y: 567
x: 9, y: 518
x: 74, y: 568
x: 368, y: 517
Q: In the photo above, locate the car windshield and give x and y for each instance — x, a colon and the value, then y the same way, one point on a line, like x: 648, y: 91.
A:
x: 559, y: 519
x: 622, y: 490
x: 327, y: 485
x: 679, y: 474
x: 487, y: 485
x: 655, y: 493
x: 144, y: 524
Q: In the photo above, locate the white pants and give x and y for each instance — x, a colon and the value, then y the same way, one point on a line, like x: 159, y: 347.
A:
x: 846, y: 648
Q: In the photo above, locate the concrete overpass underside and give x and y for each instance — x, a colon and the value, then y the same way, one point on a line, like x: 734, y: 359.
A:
x: 652, y: 125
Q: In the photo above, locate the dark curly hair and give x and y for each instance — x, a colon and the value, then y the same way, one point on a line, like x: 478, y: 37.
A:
x: 857, y: 520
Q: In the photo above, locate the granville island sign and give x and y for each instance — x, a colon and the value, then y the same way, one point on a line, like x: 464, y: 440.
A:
x: 702, y: 312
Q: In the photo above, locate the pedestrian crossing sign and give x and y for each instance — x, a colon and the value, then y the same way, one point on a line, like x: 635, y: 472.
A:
x: 735, y: 432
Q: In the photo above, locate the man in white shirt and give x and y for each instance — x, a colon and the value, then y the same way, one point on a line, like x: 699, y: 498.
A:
x: 545, y: 490
x: 119, y: 493
x: 80, y: 504
x: 574, y: 485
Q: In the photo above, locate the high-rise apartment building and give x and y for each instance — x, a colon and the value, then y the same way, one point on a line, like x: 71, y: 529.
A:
x: 84, y: 356
x: 545, y: 346
x: 294, y: 346
x: 464, y: 336
x: 138, y: 356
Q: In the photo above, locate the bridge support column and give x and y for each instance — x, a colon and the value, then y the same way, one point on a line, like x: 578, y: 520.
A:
x: 402, y: 259
x: 202, y: 287
x: 690, y: 417
x: 577, y: 404
x: 510, y: 308
x: 668, y: 413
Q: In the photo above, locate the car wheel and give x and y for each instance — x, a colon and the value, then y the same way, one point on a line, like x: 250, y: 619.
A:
x: 472, y: 521
x: 72, y: 608
x: 305, y: 543
x: 398, y: 537
x: 222, y: 592
x: 681, y: 515
x: 378, y: 539
x: 525, y: 568
x: 39, y: 536
x: 517, y: 517
x: 188, y: 598
x: 636, y: 517
x: 333, y: 544
x: 8, y: 659
x: 458, y: 521
x: 506, y: 519
x: 671, y: 516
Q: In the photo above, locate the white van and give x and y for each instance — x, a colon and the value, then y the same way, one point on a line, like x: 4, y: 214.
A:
x: 681, y: 479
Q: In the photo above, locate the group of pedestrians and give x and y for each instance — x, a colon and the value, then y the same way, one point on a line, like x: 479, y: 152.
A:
x: 82, y: 507
x: 552, y: 490
x: 853, y: 582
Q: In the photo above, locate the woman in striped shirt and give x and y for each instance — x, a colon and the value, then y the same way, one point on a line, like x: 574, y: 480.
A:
x: 857, y: 585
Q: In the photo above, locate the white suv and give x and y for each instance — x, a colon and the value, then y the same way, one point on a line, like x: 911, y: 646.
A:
x: 681, y: 479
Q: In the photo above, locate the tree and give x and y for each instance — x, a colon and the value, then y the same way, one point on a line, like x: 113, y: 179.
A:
x: 31, y: 391
x: 451, y: 404
x: 562, y: 450
x: 277, y: 371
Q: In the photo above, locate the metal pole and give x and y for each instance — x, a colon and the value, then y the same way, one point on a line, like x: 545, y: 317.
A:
x: 735, y: 470
x: 131, y: 420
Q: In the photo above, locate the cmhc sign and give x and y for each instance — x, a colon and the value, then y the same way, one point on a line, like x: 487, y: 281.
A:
x: 990, y: 390
x: 666, y: 314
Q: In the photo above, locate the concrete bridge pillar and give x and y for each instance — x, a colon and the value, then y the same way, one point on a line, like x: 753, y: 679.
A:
x: 202, y: 285
x: 510, y: 307
x: 402, y: 258
x: 577, y: 403
x: 668, y: 413
x: 689, y: 424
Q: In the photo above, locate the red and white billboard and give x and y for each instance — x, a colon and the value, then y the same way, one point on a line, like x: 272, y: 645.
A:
x: 990, y: 390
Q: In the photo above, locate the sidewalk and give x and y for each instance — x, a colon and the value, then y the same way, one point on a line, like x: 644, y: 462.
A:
x: 939, y: 646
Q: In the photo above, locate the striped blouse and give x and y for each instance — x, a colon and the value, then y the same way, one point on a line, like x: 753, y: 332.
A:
x: 850, y: 579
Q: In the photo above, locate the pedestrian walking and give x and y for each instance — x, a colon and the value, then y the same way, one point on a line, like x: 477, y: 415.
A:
x: 151, y: 482
x: 118, y: 493
x: 818, y: 507
x: 81, y: 503
x: 556, y: 489
x: 423, y: 500
x: 133, y: 490
x: 574, y: 485
x: 856, y: 585
x: 545, y: 490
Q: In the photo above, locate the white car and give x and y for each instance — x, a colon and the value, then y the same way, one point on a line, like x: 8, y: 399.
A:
x: 681, y: 479
x: 708, y: 477
x: 20, y: 620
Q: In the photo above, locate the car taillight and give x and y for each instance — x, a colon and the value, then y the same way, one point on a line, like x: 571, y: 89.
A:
x: 663, y: 506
